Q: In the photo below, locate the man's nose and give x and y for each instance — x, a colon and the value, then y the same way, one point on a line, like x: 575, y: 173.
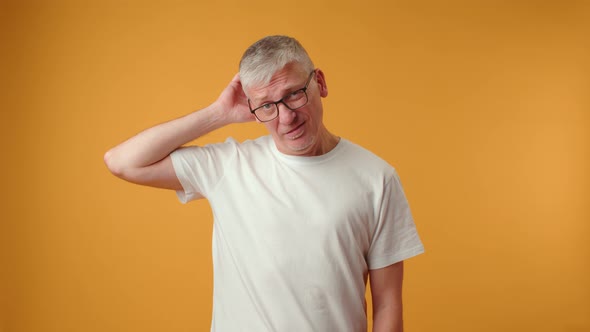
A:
x: 286, y: 116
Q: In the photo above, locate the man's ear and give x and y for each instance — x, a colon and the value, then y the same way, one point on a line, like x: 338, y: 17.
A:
x: 321, y: 80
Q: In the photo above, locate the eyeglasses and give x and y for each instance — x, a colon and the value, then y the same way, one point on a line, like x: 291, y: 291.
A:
x: 292, y: 101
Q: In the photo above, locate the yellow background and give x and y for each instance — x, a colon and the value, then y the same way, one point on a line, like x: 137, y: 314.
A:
x: 483, y: 108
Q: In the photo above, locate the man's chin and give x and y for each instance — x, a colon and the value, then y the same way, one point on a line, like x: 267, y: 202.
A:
x: 301, y: 146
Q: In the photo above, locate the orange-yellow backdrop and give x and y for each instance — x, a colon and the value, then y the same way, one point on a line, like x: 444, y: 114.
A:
x: 483, y: 107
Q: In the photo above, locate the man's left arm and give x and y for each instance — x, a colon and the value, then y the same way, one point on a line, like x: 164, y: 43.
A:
x: 386, y: 291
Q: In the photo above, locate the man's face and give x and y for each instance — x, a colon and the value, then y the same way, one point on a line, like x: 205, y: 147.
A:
x: 295, y: 132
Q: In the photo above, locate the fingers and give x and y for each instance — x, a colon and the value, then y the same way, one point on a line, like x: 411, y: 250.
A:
x: 236, y: 82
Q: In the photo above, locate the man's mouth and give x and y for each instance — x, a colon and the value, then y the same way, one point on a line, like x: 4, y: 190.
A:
x: 295, y: 132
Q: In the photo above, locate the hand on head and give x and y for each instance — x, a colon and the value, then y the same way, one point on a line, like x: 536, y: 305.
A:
x: 233, y: 103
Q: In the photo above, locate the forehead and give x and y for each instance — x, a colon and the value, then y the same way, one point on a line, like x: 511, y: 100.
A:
x: 283, y: 81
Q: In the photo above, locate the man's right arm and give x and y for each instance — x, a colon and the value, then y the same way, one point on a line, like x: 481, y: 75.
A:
x: 145, y: 158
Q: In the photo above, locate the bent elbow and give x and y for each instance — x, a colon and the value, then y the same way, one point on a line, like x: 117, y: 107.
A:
x: 112, y: 164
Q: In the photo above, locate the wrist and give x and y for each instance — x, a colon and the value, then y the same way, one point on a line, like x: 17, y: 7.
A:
x: 216, y: 116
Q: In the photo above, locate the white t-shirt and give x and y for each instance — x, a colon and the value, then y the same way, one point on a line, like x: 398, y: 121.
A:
x: 294, y: 237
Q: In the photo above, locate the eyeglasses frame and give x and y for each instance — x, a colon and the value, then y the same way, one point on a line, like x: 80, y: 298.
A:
x: 281, y: 101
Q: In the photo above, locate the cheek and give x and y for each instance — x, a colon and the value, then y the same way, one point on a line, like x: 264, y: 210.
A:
x: 271, y: 126
x: 315, y: 113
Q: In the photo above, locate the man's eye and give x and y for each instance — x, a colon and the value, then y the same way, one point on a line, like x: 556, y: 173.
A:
x: 294, y: 95
x: 266, y: 106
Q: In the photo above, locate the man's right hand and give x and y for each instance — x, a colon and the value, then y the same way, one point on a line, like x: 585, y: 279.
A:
x: 233, y: 103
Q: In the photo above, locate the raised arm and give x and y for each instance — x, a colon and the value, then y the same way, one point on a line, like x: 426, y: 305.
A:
x: 145, y: 158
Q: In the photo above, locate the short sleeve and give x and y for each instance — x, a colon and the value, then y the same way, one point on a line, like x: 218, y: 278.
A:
x: 199, y: 169
x: 395, y: 237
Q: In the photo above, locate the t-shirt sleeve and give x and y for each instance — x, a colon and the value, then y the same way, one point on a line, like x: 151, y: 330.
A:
x: 395, y: 237
x: 200, y: 168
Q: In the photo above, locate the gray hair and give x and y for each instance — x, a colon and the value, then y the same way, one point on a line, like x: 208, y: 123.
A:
x: 270, y: 54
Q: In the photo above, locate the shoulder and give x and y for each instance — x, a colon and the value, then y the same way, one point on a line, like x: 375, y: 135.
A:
x: 262, y: 142
x: 214, y: 149
x: 223, y: 152
x: 230, y: 144
x: 254, y: 148
x: 365, y: 160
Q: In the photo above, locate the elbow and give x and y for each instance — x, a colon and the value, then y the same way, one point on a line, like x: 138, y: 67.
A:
x: 120, y: 167
x: 111, y: 162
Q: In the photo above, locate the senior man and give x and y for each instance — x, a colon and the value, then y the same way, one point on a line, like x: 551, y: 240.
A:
x: 301, y: 216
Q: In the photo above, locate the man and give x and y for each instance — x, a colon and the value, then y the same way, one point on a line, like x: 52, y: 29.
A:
x: 302, y: 216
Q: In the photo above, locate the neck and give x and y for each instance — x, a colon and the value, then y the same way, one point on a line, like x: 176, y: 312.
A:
x: 326, y: 141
